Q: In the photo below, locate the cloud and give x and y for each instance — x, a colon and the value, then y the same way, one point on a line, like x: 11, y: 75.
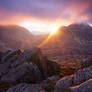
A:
x: 51, y: 10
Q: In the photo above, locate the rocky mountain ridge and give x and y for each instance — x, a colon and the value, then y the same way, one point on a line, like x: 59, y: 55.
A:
x: 73, y: 41
x: 14, y: 36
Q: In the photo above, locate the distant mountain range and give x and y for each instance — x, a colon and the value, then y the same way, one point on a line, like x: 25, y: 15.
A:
x: 31, y: 71
x: 13, y: 36
x: 70, y: 41
x: 73, y: 41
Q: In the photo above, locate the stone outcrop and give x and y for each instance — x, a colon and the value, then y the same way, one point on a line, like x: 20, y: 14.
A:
x: 64, y: 83
x: 84, y: 87
x: 7, y: 58
x: 29, y: 66
x: 30, y: 70
x: 9, y: 55
x: 50, y: 82
x: 23, y: 73
x: 25, y: 57
x: 83, y: 75
x: 47, y: 67
x: 73, y: 80
x: 23, y: 87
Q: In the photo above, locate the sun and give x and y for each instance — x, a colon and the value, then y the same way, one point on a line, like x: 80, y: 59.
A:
x: 41, y: 27
x: 53, y: 32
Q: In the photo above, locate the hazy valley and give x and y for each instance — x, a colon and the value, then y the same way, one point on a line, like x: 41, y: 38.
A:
x: 60, y: 62
x: 45, y: 45
x: 69, y: 42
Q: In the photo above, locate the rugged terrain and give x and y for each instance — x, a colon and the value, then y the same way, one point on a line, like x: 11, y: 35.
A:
x: 35, y: 67
x: 31, y: 71
x: 29, y: 68
x: 69, y: 42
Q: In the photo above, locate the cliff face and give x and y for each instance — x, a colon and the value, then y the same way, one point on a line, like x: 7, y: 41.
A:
x: 73, y: 41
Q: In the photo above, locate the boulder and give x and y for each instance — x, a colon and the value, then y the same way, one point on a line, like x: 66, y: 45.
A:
x: 83, y: 87
x: 23, y: 87
x: 63, y: 84
x: 23, y: 73
x: 10, y: 55
x: 50, y: 82
x: 7, y: 59
x: 73, y: 80
x: 25, y: 57
x: 82, y: 75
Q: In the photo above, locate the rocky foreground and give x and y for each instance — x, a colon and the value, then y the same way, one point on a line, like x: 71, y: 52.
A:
x: 31, y: 71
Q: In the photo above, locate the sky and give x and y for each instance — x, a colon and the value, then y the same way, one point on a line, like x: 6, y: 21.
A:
x: 45, y: 16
